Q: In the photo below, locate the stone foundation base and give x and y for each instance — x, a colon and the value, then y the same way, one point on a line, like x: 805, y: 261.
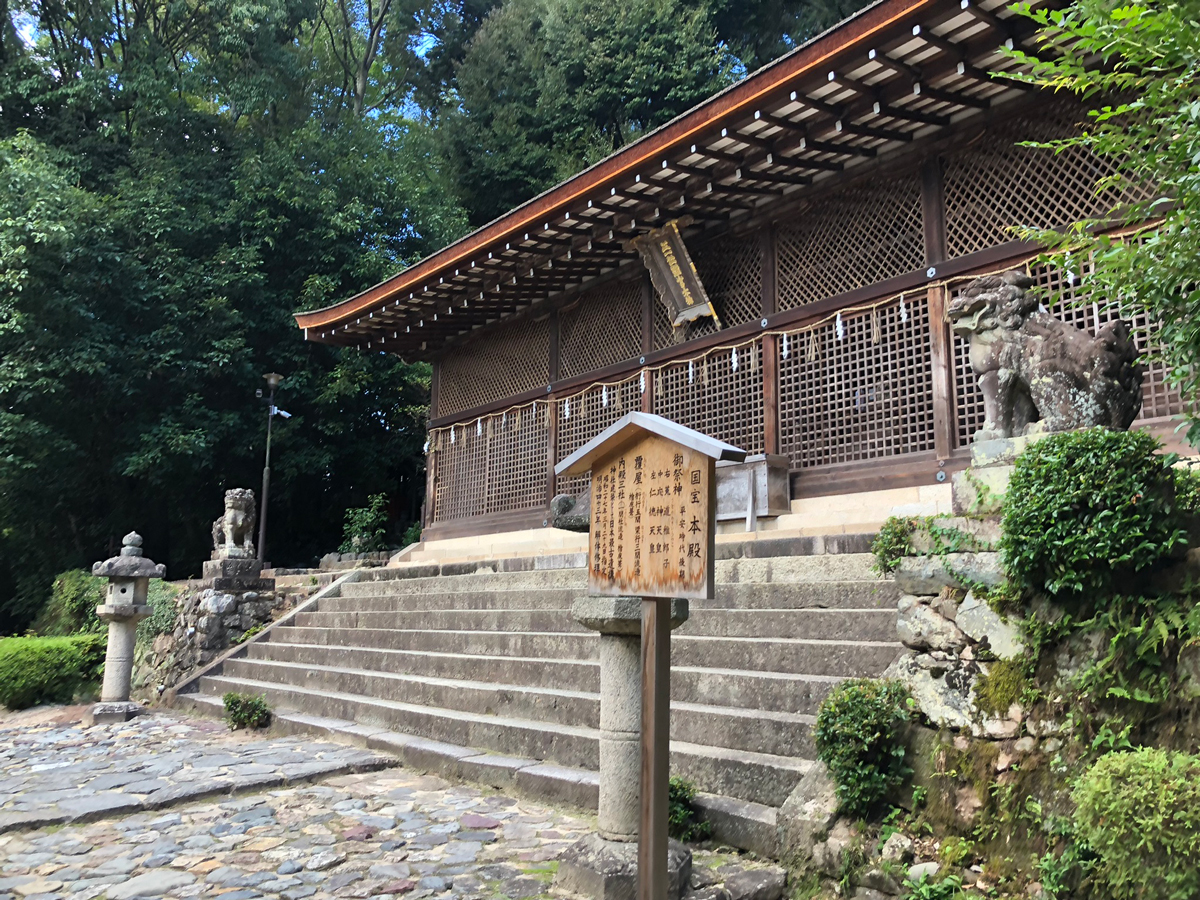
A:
x: 116, y: 711
x: 607, y: 870
x: 232, y: 568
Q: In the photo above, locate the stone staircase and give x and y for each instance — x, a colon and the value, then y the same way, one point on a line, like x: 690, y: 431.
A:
x: 443, y: 666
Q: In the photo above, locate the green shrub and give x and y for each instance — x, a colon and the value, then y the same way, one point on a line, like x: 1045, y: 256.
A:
x: 37, y: 670
x: 412, y: 534
x: 1139, y: 813
x: 948, y: 888
x: 893, y: 541
x: 246, y: 711
x: 682, y: 823
x: 76, y: 594
x: 1187, y: 489
x: 366, y: 527
x: 858, y: 738
x: 163, y: 612
x: 72, y: 605
x: 1087, y: 509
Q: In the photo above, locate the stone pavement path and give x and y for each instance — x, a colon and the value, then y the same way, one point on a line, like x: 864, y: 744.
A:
x: 380, y: 834
x: 54, y: 771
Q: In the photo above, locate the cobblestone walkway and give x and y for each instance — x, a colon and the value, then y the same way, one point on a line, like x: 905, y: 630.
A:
x: 54, y: 772
x: 382, y: 833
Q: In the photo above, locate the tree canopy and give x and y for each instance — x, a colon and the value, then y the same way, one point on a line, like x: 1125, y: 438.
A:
x: 178, y: 177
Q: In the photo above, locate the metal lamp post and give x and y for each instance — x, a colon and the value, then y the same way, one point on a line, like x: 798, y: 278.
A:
x: 273, y: 380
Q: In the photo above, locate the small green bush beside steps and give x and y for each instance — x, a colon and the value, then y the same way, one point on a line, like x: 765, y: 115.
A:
x: 246, y: 711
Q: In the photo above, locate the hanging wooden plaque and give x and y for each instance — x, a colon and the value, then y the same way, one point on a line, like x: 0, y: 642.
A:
x: 674, y: 274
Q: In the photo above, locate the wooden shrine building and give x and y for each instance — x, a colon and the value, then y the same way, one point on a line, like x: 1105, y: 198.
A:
x: 832, y: 204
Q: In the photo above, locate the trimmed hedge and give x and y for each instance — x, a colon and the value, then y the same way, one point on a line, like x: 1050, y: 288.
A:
x: 1139, y: 813
x: 1087, y: 510
x: 37, y: 670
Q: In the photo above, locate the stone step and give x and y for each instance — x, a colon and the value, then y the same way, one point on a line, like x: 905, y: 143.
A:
x: 785, y: 734
x: 747, y: 775
x: 491, y: 698
x: 771, y: 691
x: 377, y: 597
x: 795, y: 655
x: 737, y: 823
x: 568, y: 674
x: 819, y: 624
x: 780, y: 569
x: 547, y: 645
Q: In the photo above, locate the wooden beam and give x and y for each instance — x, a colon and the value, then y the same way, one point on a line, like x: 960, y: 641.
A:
x: 770, y: 389
x: 648, y: 301
x: 942, y: 367
x: 933, y: 210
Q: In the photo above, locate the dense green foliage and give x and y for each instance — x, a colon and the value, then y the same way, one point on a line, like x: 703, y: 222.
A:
x: 682, y: 821
x: 76, y: 594
x: 893, y: 541
x: 366, y: 527
x: 858, y: 737
x: 72, y: 606
x: 37, y: 670
x: 1139, y: 813
x: 178, y: 178
x: 1148, y: 54
x: 1087, y: 510
x: 246, y: 711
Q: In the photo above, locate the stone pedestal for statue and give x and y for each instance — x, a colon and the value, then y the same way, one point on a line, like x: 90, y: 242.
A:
x: 234, y: 566
x: 605, y: 865
x: 125, y: 605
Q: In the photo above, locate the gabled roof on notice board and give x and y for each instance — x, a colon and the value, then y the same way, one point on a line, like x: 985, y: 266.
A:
x: 634, y: 425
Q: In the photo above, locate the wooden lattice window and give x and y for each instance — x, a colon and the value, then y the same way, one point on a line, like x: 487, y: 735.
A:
x: 584, y: 416
x: 1065, y: 287
x: 854, y: 237
x: 507, y: 359
x: 516, y: 472
x: 603, y: 327
x: 731, y: 271
x: 460, y: 463
x: 995, y: 187
x: 720, y: 395
x: 865, y: 395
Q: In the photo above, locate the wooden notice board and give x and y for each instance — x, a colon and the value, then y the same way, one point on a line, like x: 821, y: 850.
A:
x: 652, y: 515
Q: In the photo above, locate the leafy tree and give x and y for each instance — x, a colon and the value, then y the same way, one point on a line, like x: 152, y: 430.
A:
x: 550, y: 86
x: 1136, y: 65
x: 170, y: 198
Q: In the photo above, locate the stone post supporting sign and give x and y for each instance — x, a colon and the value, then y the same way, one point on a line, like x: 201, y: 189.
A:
x: 125, y: 604
x: 650, y: 550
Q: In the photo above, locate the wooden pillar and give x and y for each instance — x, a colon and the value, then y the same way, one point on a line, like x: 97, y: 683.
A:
x: 647, y: 314
x: 942, y: 366
x: 551, y: 449
x: 933, y: 210
x: 770, y: 344
x: 656, y: 741
x: 428, y: 512
x: 770, y: 376
x: 435, y: 380
x: 553, y: 367
x: 648, y: 394
x: 770, y: 288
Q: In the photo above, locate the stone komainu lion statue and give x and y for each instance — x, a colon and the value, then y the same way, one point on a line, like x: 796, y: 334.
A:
x: 233, y: 533
x: 1038, y: 373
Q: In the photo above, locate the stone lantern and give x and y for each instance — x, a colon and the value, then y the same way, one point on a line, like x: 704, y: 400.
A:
x: 125, y: 604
